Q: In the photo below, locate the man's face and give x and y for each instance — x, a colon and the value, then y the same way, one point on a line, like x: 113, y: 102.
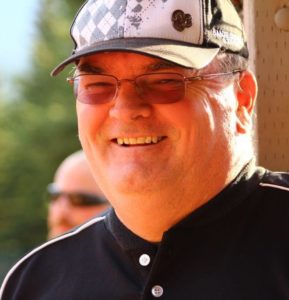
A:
x: 193, y: 136
x: 65, y: 214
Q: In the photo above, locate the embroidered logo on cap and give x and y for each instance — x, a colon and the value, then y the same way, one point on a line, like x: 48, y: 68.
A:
x: 181, y: 20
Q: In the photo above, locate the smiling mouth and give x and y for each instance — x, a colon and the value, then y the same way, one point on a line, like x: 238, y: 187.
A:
x: 139, y: 141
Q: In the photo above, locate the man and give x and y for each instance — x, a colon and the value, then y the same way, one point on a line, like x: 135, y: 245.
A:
x: 74, y: 196
x: 164, y: 106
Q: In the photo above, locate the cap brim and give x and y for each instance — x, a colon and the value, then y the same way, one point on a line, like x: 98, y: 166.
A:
x: 183, y: 54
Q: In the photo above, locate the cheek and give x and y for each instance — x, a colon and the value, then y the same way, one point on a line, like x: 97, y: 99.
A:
x: 90, y: 120
x: 192, y: 114
x: 53, y: 213
x: 225, y: 107
x: 91, y: 130
x: 217, y: 103
x: 83, y: 213
x: 204, y: 118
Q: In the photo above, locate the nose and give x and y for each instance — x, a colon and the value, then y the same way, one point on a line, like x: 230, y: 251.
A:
x: 128, y: 105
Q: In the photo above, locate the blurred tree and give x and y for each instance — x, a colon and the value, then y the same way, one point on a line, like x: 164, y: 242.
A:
x: 37, y: 130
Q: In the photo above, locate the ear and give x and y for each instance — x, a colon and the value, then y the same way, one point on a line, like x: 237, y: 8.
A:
x: 246, y: 96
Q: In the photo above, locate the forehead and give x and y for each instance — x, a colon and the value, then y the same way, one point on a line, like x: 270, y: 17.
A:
x: 124, y: 61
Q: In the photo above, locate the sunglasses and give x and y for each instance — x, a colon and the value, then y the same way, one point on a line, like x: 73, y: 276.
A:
x: 154, y: 88
x: 75, y: 199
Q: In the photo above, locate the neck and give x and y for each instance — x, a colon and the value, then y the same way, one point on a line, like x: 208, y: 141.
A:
x: 149, y: 216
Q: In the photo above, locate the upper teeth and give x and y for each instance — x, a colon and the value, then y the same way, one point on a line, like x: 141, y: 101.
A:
x: 138, y: 140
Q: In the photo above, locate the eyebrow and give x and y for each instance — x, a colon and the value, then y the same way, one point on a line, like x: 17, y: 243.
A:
x: 160, y: 65
x: 87, y: 68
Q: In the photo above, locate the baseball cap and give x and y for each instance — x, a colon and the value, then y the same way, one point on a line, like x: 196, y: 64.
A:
x: 189, y: 33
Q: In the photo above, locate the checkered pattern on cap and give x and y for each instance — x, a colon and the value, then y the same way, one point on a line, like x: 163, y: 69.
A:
x: 101, y: 20
x: 98, y: 21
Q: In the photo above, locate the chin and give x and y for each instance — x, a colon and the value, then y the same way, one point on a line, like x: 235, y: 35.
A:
x: 130, y: 184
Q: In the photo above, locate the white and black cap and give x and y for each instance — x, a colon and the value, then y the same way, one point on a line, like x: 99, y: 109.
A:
x: 189, y: 33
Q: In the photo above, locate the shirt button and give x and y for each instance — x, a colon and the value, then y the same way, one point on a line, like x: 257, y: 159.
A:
x: 144, y: 260
x: 157, y: 291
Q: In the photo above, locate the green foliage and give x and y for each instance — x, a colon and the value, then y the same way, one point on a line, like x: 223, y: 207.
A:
x: 37, y: 130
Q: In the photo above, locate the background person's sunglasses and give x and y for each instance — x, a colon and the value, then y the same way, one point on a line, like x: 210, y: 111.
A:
x: 75, y: 199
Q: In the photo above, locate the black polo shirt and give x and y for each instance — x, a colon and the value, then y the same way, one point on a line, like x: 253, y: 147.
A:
x: 235, y: 247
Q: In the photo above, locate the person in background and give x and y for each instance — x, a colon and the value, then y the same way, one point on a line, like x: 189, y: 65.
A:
x: 74, y: 196
x: 165, y: 102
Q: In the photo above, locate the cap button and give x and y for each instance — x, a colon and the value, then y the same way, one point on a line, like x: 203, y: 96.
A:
x: 181, y: 20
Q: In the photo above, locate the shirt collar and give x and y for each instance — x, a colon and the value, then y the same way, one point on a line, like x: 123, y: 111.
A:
x: 229, y: 198
x: 126, y: 238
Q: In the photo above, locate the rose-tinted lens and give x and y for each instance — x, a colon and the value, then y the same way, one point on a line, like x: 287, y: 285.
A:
x: 158, y: 88
x: 95, y: 89
x: 161, y: 88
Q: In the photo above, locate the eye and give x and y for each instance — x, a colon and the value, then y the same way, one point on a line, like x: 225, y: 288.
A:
x: 168, y: 81
x: 165, y: 83
x: 98, y: 84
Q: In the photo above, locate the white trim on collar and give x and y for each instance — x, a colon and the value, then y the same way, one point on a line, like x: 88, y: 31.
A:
x: 275, y: 186
x: 62, y: 237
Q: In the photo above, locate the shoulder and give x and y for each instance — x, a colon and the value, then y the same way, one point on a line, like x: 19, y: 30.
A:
x: 273, y: 192
x: 66, y: 247
x: 276, y: 181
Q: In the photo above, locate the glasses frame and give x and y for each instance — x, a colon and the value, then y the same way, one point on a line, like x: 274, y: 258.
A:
x: 186, y: 79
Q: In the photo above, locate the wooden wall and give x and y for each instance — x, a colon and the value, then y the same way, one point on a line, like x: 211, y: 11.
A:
x: 269, y: 49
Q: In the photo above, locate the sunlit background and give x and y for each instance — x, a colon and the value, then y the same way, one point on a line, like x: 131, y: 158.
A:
x: 37, y: 117
x: 17, y: 33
